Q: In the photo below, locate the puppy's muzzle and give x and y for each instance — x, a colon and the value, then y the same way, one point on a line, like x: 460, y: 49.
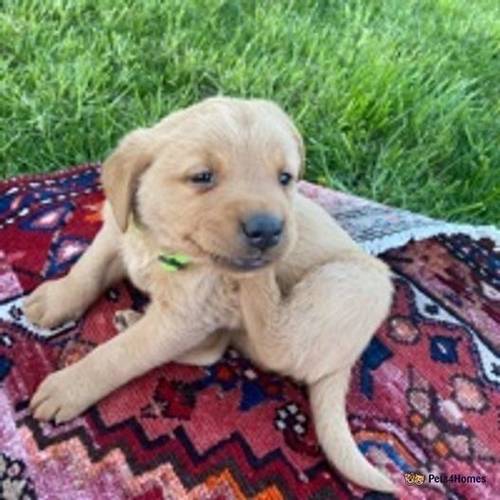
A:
x: 262, y: 231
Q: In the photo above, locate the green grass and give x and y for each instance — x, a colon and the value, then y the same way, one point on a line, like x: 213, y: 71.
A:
x: 398, y: 99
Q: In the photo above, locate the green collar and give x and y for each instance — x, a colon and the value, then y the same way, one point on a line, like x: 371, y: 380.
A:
x: 172, y: 262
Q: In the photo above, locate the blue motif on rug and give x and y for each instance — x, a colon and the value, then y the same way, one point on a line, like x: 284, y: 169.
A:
x: 48, y: 219
x: 444, y: 349
x: 373, y: 356
x: 64, y: 252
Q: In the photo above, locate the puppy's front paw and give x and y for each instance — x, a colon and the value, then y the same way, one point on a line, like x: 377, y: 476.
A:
x: 62, y: 396
x: 52, y: 303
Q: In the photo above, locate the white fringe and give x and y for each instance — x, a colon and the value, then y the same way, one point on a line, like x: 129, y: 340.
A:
x: 400, y: 239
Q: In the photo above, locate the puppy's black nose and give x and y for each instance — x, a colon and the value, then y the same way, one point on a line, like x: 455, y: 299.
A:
x: 262, y: 231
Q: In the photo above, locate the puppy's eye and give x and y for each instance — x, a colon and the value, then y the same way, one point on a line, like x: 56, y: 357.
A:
x: 285, y: 178
x: 205, y: 178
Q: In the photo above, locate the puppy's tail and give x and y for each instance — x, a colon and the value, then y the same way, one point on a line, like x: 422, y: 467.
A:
x: 329, y: 413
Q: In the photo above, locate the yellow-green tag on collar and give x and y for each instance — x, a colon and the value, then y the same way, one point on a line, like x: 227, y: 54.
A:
x: 174, y: 261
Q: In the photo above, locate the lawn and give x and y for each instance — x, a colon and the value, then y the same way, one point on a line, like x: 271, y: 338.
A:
x: 398, y: 100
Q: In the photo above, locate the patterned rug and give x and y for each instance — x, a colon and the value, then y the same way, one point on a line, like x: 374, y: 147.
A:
x: 424, y: 401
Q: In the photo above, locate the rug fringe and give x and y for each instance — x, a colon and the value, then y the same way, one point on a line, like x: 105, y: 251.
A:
x: 41, y: 176
x: 398, y: 240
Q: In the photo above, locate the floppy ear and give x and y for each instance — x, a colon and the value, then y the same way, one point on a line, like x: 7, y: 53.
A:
x: 121, y: 172
x: 300, y: 144
x: 276, y: 109
x: 302, y: 150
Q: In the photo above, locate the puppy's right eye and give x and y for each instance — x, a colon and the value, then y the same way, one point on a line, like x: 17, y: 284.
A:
x: 205, y: 178
x: 285, y: 178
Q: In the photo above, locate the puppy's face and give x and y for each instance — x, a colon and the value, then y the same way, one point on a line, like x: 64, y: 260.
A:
x: 220, y: 182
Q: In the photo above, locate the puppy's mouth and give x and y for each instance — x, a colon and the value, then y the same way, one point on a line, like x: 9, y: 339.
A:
x: 240, y: 264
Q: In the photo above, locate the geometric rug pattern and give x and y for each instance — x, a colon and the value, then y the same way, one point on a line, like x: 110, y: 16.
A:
x: 424, y: 398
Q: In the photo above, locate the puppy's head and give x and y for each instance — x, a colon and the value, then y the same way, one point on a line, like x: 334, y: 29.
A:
x: 215, y: 180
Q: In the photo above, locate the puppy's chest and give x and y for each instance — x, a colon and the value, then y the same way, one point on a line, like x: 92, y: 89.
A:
x: 219, y: 305
x: 206, y: 302
x: 203, y: 298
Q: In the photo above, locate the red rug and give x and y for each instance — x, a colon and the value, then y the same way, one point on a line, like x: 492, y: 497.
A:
x: 424, y: 397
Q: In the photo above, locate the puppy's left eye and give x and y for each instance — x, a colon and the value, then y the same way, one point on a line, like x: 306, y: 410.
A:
x: 285, y: 178
x: 205, y: 178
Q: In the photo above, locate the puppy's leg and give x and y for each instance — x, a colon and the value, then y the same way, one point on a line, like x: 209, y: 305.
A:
x: 263, y: 309
x: 208, y: 352
x: 67, y: 298
x: 316, y: 334
x: 154, y: 339
x: 325, y: 321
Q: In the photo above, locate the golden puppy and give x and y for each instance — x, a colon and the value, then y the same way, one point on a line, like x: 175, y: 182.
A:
x: 211, y: 191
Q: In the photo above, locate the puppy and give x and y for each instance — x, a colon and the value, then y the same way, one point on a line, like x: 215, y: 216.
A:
x: 211, y: 191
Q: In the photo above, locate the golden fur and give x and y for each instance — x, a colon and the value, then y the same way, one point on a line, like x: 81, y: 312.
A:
x: 306, y: 307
